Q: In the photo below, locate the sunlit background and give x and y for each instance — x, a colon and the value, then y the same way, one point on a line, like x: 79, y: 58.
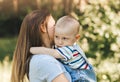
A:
x: 100, y: 32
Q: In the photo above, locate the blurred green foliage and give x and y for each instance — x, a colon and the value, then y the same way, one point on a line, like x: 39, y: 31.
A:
x: 101, y: 28
x: 10, y: 27
x: 7, y: 46
x: 101, y: 33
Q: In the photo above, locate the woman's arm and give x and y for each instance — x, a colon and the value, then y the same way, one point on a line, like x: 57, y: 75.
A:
x: 60, y: 78
x: 43, y: 50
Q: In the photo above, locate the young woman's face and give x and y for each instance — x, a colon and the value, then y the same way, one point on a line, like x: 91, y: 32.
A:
x: 51, y: 29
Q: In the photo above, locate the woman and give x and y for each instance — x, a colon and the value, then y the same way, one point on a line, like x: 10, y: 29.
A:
x: 37, y: 29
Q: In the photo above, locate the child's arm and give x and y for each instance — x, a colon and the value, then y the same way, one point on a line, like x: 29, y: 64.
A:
x: 43, y: 50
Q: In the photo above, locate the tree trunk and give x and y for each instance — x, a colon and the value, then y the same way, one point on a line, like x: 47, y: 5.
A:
x: 67, y: 6
x: 38, y: 3
x: 15, y: 6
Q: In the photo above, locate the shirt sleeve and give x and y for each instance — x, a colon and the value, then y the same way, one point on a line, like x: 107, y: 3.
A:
x: 67, y: 52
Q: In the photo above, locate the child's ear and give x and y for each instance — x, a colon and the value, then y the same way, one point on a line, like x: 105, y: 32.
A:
x: 43, y: 28
x: 77, y: 36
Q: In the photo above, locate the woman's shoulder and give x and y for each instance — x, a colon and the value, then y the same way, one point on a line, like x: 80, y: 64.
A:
x: 38, y: 59
x: 41, y: 57
x: 38, y: 62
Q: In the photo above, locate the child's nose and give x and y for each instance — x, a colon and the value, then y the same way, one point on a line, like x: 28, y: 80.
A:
x: 60, y: 41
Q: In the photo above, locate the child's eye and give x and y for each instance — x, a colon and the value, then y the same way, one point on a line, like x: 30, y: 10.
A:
x: 65, y: 38
x: 56, y: 36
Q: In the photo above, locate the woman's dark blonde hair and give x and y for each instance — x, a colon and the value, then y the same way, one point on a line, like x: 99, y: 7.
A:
x: 30, y: 35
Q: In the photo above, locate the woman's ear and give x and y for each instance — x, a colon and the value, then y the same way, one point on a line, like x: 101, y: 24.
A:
x: 43, y: 28
x: 77, y: 36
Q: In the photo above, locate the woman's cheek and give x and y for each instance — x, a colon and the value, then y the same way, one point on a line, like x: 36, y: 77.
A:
x: 51, y: 33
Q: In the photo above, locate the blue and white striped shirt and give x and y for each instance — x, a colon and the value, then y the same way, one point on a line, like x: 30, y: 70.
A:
x: 74, y: 57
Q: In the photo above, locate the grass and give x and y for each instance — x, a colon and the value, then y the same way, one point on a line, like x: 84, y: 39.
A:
x: 7, y: 46
x: 5, y: 70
